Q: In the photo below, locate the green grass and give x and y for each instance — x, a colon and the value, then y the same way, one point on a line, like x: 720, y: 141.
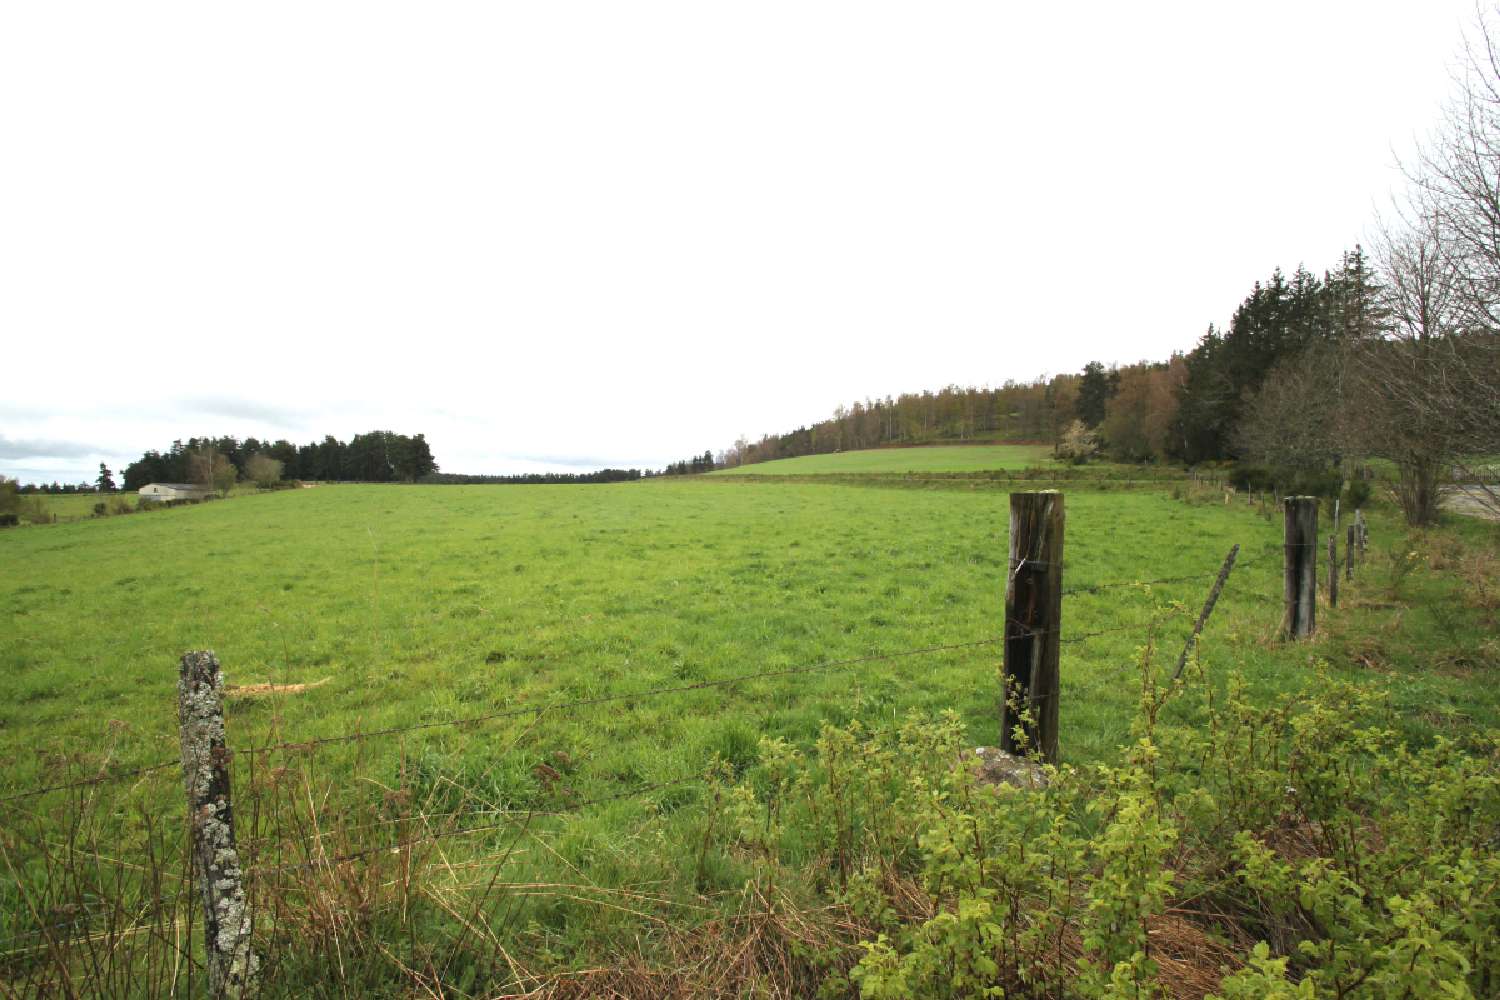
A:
x: 421, y: 603
x: 936, y: 458
x: 425, y: 604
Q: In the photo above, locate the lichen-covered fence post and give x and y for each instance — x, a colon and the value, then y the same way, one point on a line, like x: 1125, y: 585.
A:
x: 231, y: 963
x: 1349, y: 554
x: 1033, y: 622
x: 1301, y: 592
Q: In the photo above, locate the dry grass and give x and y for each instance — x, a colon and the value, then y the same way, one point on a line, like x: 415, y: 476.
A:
x: 261, y: 690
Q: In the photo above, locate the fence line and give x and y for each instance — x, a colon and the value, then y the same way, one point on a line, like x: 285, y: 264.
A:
x: 96, y: 780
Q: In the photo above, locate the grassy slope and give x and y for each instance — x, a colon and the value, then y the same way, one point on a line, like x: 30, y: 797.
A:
x: 428, y: 603
x: 939, y: 458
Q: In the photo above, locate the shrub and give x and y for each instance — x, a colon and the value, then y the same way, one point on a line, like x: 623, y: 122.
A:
x: 101, y: 509
x: 1359, y: 492
x: 1326, y: 483
x: 1252, y: 478
x: 1078, y: 444
x: 263, y: 470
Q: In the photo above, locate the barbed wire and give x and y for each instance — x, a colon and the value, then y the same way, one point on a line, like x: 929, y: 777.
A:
x: 511, y: 816
x: 98, y: 779
x: 1094, y: 588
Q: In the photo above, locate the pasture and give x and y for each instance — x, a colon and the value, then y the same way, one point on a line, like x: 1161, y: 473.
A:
x: 412, y: 606
x: 423, y: 603
x: 929, y: 458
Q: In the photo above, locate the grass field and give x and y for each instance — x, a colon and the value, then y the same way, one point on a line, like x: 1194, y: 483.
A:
x: 409, y: 605
x: 420, y: 603
x: 937, y: 458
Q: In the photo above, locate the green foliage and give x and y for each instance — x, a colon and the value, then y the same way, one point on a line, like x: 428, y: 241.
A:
x: 1263, y: 978
x: 1369, y: 862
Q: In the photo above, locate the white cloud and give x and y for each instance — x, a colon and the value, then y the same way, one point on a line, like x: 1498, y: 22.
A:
x: 634, y: 231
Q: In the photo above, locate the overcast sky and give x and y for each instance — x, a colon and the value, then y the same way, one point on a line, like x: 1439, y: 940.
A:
x: 565, y: 235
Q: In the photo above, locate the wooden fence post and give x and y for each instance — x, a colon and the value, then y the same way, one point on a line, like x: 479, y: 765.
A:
x: 1033, y: 623
x: 1333, y: 569
x: 1349, y: 554
x: 232, y: 965
x: 1301, y: 570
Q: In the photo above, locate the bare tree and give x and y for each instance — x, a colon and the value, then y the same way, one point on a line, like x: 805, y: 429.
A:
x: 263, y: 470
x: 1411, y: 408
x: 1457, y: 173
x: 1443, y: 269
x: 1299, y: 418
x: 213, y: 470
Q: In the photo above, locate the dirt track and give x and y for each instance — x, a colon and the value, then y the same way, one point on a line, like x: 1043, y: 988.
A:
x: 1474, y: 500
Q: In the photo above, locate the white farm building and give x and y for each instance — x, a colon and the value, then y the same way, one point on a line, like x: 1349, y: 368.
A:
x: 162, y: 492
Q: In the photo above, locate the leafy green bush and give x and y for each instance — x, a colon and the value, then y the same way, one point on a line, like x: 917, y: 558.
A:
x: 1351, y: 863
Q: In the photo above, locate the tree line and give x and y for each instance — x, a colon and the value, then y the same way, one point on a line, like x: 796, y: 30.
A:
x: 537, y: 478
x: 376, y: 457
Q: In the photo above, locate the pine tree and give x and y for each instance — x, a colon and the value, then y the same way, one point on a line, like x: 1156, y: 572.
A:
x: 1094, y: 392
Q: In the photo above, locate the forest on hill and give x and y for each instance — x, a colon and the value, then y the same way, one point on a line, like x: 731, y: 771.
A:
x: 1184, y: 408
x: 1396, y: 359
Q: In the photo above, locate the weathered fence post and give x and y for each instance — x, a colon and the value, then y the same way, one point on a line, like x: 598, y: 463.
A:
x: 1349, y: 554
x: 231, y: 963
x: 1333, y: 568
x: 1301, y: 592
x: 1033, y: 623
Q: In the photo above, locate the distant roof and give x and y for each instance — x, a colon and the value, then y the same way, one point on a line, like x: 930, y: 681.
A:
x: 176, y: 486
